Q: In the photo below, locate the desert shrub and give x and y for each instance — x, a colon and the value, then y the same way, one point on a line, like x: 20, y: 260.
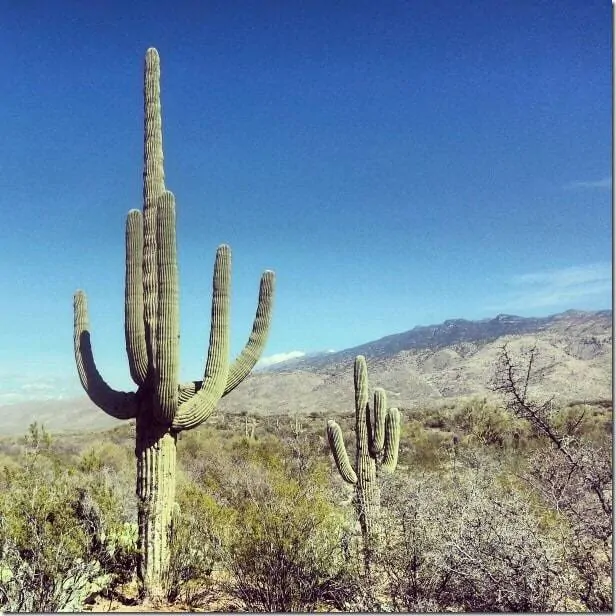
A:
x: 107, y: 455
x: 285, y: 553
x: 211, y: 460
x: 422, y: 448
x: 199, y: 531
x: 107, y: 472
x: 304, y: 454
x: 123, y: 435
x: 62, y: 533
x: 581, y: 492
x: 103, y: 510
x: 203, y: 458
x: 26, y: 586
x: 44, y: 551
x: 583, y: 421
x: 240, y: 471
x: 193, y: 443
x: 436, y: 418
x: 489, y: 424
x: 469, y: 545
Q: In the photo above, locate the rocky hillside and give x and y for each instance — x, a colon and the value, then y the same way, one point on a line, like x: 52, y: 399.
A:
x: 452, y: 360
x: 457, y: 331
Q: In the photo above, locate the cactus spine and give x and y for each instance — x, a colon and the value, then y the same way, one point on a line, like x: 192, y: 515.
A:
x: 377, y: 437
x: 161, y: 406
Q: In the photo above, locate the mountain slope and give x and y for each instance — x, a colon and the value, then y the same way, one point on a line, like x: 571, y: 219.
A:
x: 455, y: 332
x: 455, y: 359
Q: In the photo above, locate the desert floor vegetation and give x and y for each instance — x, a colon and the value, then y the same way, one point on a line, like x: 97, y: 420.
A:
x: 491, y: 508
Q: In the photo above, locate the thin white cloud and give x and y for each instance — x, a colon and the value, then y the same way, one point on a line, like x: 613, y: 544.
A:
x: 22, y: 388
x: 567, y: 277
x: 569, y: 286
x: 279, y: 357
x: 602, y: 183
x: 38, y: 386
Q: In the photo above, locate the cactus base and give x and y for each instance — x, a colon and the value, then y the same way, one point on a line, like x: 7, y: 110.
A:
x: 156, y: 464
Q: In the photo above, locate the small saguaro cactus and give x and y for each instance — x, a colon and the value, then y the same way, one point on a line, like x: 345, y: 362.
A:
x: 249, y: 428
x: 161, y: 405
x: 377, y: 437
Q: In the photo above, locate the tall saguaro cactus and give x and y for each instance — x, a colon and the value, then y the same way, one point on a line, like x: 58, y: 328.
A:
x: 377, y: 437
x: 161, y: 405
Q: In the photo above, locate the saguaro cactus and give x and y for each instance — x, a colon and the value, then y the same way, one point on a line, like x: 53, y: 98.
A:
x: 377, y: 437
x: 161, y: 406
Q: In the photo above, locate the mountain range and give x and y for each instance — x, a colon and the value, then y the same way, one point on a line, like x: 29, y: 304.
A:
x: 427, y: 365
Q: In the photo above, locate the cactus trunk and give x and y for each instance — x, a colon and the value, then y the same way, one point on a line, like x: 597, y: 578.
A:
x: 367, y: 505
x: 368, y: 500
x: 156, y: 464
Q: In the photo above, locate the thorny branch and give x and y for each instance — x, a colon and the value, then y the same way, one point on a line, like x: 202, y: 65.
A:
x: 515, y: 390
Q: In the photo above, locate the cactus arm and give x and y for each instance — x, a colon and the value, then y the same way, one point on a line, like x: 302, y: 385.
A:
x: 198, y: 408
x: 134, y: 331
x: 377, y: 423
x: 188, y: 390
x: 360, y: 380
x: 118, y: 404
x: 336, y: 444
x: 392, y: 440
x: 153, y: 186
x: 249, y: 356
x: 167, y: 318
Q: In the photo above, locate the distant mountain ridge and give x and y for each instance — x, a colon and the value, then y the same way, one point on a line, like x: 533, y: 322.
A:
x: 429, y: 365
x: 450, y: 332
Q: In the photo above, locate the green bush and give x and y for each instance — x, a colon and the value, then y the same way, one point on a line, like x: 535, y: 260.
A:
x: 582, y: 420
x: 285, y: 552
x: 199, y: 531
x: 490, y: 425
x: 43, y: 551
x: 422, y: 448
x: 61, y: 531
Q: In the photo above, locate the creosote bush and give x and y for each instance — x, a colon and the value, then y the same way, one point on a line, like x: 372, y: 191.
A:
x: 60, y: 537
x: 489, y: 425
x: 287, y: 553
x: 199, y: 530
x: 256, y: 519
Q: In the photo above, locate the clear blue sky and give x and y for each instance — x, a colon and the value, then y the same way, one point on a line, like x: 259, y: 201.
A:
x: 396, y: 163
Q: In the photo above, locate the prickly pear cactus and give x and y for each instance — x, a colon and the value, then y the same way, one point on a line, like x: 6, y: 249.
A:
x: 377, y: 438
x: 161, y: 405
